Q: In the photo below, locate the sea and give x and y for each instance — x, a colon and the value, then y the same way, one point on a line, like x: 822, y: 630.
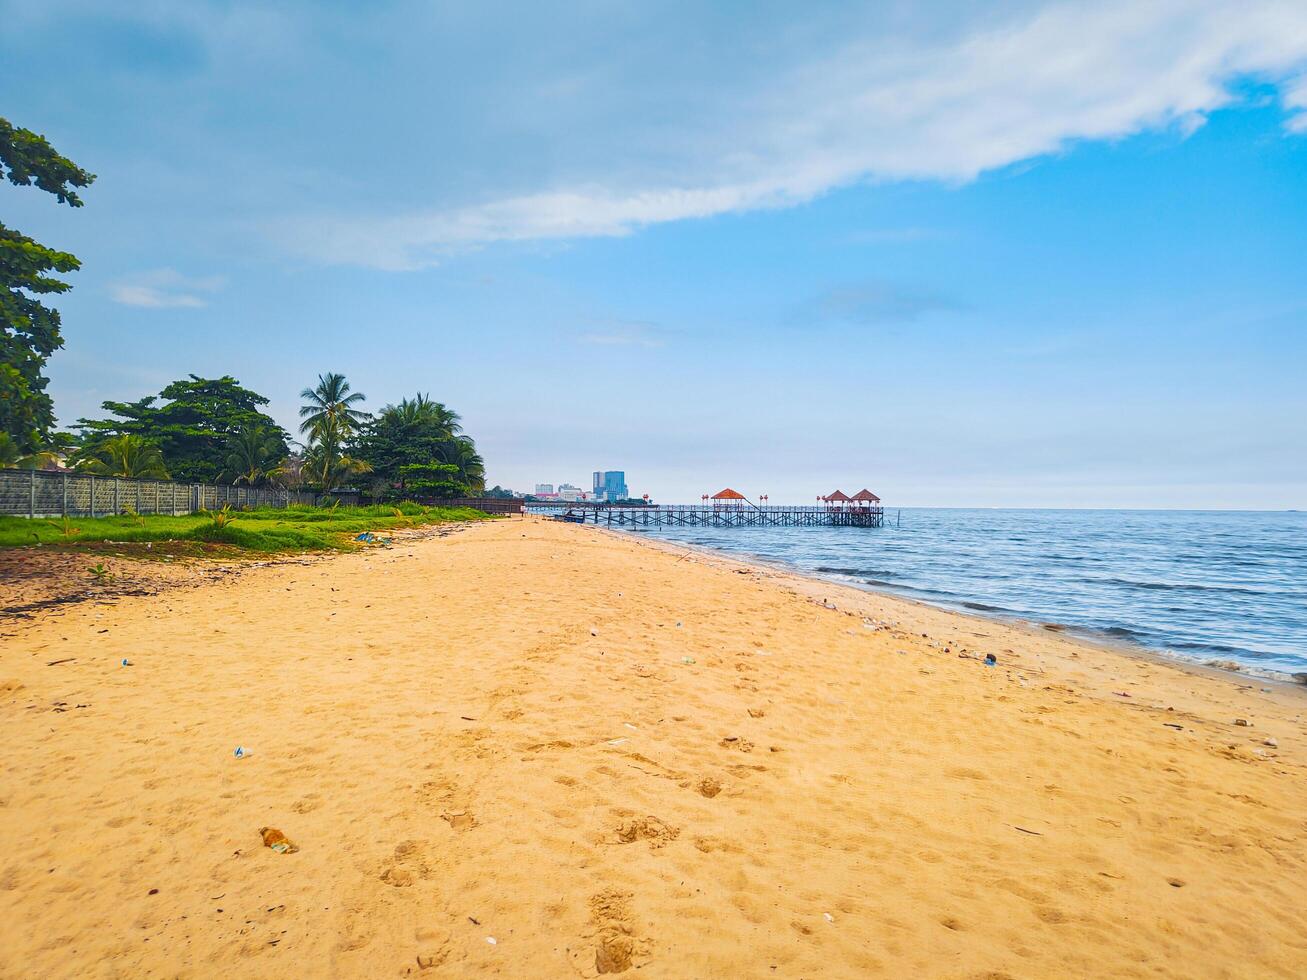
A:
x: 1208, y: 586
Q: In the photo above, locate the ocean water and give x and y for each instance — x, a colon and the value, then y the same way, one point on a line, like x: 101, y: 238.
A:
x: 1203, y: 585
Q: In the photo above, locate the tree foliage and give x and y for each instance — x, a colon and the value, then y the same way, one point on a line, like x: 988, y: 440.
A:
x: 29, y: 330
x: 327, y: 465
x: 192, y: 427
x: 331, y: 403
x: 416, y: 433
x: 432, y: 480
x: 125, y: 455
x: 253, y: 455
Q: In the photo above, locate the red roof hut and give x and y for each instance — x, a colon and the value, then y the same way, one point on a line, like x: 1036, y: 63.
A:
x: 727, y: 498
x: 838, y: 497
x: 865, y: 497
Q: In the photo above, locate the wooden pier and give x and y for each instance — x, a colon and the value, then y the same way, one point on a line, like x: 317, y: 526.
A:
x: 614, y: 515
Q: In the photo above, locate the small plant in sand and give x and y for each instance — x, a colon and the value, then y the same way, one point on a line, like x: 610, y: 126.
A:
x: 130, y: 511
x: 65, y: 527
x: 99, y: 573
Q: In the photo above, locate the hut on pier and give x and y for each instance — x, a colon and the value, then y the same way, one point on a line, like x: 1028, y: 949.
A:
x: 727, y: 499
x: 865, y: 498
x: 837, y: 500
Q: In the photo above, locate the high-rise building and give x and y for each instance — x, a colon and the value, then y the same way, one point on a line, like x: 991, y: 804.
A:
x: 610, y: 485
x: 542, y: 489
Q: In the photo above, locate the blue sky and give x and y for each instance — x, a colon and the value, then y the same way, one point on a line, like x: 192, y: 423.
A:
x: 1051, y: 255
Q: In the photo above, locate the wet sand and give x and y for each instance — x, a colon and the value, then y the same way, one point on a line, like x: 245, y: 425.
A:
x: 608, y: 755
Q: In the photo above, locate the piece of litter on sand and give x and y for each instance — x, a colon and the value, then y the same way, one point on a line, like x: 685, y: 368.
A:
x: 1122, y: 694
x: 277, y: 841
x: 616, y: 741
x: 242, y: 752
x: 828, y: 917
x: 630, y: 726
x: 492, y: 940
x: 126, y: 662
x: 990, y: 660
x: 687, y: 660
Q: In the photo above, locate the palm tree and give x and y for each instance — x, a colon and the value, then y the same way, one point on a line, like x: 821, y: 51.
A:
x: 290, y: 473
x: 422, y: 408
x: 252, y: 454
x: 462, y: 452
x: 326, y: 462
x: 128, y: 456
x: 331, y: 401
x: 445, y: 417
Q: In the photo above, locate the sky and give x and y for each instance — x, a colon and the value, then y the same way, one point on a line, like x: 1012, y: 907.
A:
x: 1043, y: 254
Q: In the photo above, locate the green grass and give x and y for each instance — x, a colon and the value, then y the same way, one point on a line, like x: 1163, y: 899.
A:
x: 270, y: 529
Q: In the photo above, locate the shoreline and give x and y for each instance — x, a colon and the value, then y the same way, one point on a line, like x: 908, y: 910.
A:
x: 1085, y: 635
x: 608, y: 757
x: 812, y: 583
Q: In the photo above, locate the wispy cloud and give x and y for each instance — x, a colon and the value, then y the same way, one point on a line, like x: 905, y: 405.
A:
x: 165, y: 289
x: 873, y: 106
x: 873, y: 302
x: 1295, y: 99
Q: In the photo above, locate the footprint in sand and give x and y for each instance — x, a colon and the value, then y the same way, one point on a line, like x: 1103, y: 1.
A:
x: 708, y: 787
x: 397, y: 877
x: 459, y: 821
x: 737, y: 743
x: 436, y: 947
x: 655, y: 831
x: 616, y: 947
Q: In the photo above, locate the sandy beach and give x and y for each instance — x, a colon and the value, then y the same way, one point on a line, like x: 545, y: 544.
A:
x: 528, y: 749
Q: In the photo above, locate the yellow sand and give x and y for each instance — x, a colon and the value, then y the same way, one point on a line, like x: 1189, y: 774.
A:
x: 495, y: 735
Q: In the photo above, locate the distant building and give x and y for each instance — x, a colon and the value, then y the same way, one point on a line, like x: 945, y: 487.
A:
x: 569, y: 493
x: 610, y: 485
x: 544, y: 489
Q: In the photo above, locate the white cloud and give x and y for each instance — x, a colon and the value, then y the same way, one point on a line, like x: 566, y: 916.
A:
x: 164, y: 289
x: 872, y: 107
x: 1295, y: 98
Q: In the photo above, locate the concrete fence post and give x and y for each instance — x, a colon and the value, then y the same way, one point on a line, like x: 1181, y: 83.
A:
x: 92, y: 496
x: 117, y: 496
x: 31, y: 499
x: 64, y: 506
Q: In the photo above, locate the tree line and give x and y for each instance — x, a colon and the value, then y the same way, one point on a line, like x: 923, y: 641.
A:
x: 214, y: 430
x: 199, y: 430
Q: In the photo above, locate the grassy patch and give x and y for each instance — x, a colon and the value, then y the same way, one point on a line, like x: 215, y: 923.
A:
x: 269, y: 529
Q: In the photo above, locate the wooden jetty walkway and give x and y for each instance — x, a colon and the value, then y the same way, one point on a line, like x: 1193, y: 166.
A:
x: 616, y: 515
